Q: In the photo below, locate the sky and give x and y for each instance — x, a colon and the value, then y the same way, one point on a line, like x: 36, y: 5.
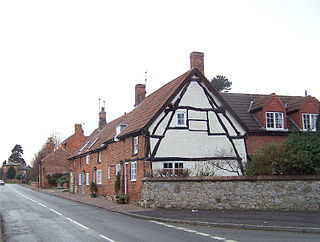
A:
x: 58, y: 58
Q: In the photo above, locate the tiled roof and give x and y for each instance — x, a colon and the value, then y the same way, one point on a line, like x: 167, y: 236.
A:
x: 59, y: 153
x: 135, y: 120
x: 240, y: 103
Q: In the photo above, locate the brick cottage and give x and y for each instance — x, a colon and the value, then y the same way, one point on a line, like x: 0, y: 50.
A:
x: 56, y: 159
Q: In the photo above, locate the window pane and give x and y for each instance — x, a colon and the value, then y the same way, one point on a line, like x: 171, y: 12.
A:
x: 270, y: 121
x: 181, y: 119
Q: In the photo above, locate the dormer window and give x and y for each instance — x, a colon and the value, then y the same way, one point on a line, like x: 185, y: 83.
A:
x: 309, y: 121
x: 119, y: 129
x: 274, y: 120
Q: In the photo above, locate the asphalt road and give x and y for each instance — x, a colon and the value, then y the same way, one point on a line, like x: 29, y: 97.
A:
x: 34, y: 216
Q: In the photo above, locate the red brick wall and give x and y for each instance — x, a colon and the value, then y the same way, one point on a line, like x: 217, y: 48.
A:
x: 117, y: 152
x: 56, y: 162
x: 254, y: 141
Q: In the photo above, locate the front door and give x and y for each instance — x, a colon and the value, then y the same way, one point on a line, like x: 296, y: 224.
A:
x: 82, y: 183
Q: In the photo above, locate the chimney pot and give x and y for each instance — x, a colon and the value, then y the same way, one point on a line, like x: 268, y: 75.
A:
x: 197, y: 61
x: 140, y: 93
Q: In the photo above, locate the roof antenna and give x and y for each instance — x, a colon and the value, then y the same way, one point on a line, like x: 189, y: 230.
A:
x: 99, y: 103
x: 145, y: 78
x: 104, y: 104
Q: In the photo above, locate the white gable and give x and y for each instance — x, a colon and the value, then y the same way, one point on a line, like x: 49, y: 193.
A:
x: 209, y: 131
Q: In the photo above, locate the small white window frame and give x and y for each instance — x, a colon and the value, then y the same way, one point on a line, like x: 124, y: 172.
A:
x: 99, y: 157
x: 79, y: 179
x: 99, y: 177
x: 312, y: 121
x: 87, y: 159
x: 133, y: 169
x: 183, y: 114
x: 173, y: 165
x: 117, y: 169
x: 87, y: 178
x: 135, y: 145
x: 109, y: 173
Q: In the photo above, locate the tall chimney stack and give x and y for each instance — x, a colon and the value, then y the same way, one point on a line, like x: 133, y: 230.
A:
x: 102, y: 118
x: 140, y: 93
x: 49, y: 146
x: 196, y: 61
x: 78, y: 129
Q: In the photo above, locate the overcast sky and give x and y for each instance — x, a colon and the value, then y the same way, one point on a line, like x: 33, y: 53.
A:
x: 57, y: 58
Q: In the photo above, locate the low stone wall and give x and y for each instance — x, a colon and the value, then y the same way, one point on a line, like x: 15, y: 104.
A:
x: 299, y: 193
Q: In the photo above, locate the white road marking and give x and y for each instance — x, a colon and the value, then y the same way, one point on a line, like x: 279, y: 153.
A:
x: 204, y: 234
x: 55, y: 211
x: 104, y: 237
x: 218, y: 238
x: 77, y: 223
x: 42, y: 205
x: 193, y: 231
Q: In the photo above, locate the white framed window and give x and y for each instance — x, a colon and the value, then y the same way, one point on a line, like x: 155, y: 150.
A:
x: 135, y: 145
x: 181, y: 119
x: 99, y: 157
x: 79, y: 179
x: 87, y: 159
x: 172, y: 165
x: 309, y: 121
x: 117, y: 169
x: 133, y: 175
x: 87, y: 179
x: 109, y: 173
x: 274, y: 120
x: 99, y: 176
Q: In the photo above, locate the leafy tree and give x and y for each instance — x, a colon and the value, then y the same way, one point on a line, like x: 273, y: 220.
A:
x: 221, y: 83
x: 16, y: 155
x: 11, y: 173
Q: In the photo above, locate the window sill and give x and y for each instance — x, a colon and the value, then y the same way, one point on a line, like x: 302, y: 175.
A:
x: 274, y: 129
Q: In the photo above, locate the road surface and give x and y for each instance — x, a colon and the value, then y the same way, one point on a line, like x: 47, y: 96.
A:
x: 29, y: 215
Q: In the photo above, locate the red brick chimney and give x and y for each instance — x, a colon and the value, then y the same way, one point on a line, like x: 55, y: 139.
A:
x: 49, y: 146
x: 78, y: 129
x: 102, y: 118
x: 196, y: 61
x: 140, y: 93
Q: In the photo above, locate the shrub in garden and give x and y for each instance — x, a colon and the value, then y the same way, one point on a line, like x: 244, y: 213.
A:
x: 299, y: 154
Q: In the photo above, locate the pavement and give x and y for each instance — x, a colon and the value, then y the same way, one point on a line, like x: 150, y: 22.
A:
x: 286, y: 221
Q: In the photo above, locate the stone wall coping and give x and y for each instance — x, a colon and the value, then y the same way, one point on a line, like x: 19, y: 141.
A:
x: 231, y: 178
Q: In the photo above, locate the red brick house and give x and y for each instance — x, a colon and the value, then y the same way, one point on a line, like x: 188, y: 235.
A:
x: 270, y: 118
x: 56, y: 159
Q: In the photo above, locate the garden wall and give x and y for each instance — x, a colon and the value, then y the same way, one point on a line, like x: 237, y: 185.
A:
x: 299, y: 193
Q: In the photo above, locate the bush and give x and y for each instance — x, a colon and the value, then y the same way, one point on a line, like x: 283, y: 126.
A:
x: 299, y: 154
x: 263, y: 161
x: 168, y: 173
x: 93, y: 188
